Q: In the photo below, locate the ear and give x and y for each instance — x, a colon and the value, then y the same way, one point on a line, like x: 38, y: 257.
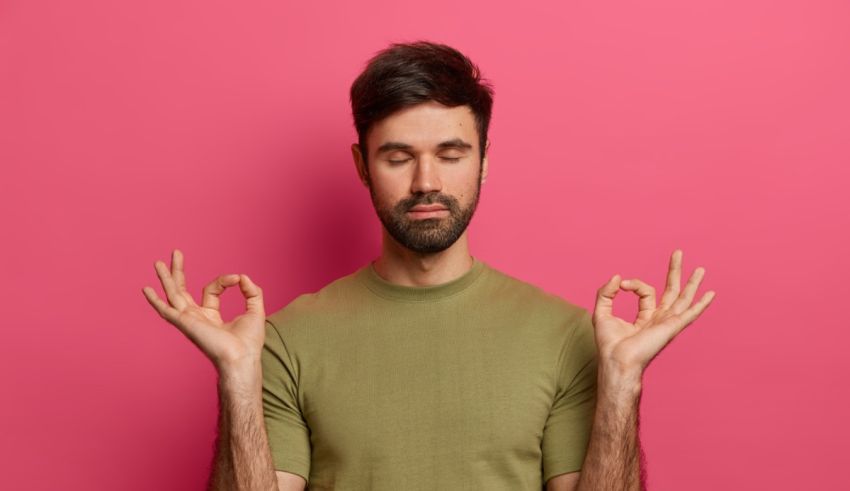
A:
x: 362, y: 171
x: 484, y: 162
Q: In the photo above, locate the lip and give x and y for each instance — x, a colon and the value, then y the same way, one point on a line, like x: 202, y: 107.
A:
x: 427, y: 208
x: 419, y: 214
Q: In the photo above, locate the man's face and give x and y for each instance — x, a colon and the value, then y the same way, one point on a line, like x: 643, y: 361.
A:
x: 424, y: 174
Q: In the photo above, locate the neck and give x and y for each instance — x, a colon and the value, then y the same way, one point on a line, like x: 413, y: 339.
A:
x: 398, y: 264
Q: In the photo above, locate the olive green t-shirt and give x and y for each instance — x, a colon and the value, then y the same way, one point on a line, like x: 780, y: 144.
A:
x: 481, y: 383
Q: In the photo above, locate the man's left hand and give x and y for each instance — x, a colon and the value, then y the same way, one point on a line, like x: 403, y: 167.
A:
x: 629, y: 347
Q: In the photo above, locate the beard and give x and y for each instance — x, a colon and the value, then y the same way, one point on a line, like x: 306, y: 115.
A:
x: 426, y: 235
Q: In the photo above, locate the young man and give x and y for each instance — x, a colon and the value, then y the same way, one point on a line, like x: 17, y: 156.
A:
x: 427, y: 368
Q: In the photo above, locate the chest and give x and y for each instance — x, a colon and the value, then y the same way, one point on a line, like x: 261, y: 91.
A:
x: 383, y: 395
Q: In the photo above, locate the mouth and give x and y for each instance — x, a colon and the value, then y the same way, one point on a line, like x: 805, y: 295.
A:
x: 427, y: 208
x: 419, y: 212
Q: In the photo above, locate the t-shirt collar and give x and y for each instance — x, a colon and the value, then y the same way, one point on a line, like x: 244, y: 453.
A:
x: 386, y: 289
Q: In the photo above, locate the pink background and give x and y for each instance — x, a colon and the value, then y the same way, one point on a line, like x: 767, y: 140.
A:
x: 621, y: 130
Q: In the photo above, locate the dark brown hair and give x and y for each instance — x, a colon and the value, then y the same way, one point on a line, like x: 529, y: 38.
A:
x: 406, y: 74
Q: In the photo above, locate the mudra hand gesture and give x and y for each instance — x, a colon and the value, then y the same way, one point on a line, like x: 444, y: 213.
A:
x: 629, y: 347
x: 226, y: 344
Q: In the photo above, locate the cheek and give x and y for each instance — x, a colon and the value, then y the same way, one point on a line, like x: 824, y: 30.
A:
x: 387, y: 196
x: 468, y: 186
x: 387, y: 182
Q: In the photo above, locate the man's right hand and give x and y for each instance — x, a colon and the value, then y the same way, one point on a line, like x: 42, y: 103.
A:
x: 226, y: 344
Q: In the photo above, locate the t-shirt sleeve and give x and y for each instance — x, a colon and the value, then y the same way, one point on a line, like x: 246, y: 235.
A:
x: 567, y: 430
x: 289, y: 435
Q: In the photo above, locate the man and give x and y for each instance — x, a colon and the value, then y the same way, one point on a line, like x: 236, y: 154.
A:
x: 427, y: 368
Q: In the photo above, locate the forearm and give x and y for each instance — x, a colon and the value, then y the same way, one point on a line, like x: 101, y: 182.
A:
x: 614, y: 457
x: 242, y: 458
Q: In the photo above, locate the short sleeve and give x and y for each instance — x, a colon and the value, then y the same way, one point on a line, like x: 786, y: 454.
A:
x: 567, y: 430
x: 289, y: 436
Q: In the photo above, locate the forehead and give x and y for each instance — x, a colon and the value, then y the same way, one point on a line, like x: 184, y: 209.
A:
x: 425, y: 125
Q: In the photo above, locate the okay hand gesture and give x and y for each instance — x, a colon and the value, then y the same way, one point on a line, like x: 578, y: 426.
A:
x: 226, y: 344
x: 631, y: 346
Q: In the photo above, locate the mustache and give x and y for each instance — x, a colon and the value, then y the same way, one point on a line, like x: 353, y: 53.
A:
x: 427, y: 199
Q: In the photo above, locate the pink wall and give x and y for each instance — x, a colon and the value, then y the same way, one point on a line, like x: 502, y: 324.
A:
x: 621, y: 131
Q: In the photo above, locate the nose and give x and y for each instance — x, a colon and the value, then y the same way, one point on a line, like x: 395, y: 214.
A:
x: 426, y: 177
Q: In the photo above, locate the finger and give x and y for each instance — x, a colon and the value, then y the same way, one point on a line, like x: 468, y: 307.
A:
x: 177, y: 270
x: 165, y: 311
x: 696, y: 309
x: 212, y: 292
x: 687, y: 296
x: 171, y: 291
x: 674, y: 278
x: 605, y: 297
x: 646, y: 294
x: 253, y: 295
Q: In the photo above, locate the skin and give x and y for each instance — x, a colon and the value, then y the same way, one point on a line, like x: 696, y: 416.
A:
x: 613, y: 459
x: 395, y: 179
x: 424, y: 168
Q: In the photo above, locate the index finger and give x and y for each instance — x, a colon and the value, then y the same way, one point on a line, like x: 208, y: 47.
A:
x: 212, y: 292
x: 645, y: 292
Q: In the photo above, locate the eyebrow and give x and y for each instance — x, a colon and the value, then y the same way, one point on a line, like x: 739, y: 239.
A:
x: 453, y: 143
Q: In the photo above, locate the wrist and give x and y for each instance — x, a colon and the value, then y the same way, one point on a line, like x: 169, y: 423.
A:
x: 245, y: 375
x: 619, y: 381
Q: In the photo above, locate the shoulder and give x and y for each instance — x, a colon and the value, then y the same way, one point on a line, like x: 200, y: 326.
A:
x: 562, y: 325
x: 323, y: 302
x: 523, y: 295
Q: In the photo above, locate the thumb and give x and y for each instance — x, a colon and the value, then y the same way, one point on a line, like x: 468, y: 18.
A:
x: 605, y: 297
x: 253, y: 295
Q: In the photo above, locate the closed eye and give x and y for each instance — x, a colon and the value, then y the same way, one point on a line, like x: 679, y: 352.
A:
x: 398, y: 161
x: 451, y: 159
